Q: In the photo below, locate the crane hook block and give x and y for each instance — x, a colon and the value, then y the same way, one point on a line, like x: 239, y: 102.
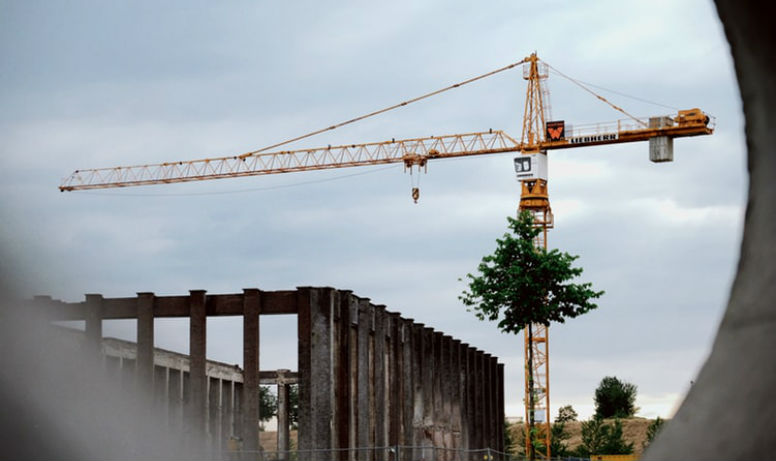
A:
x: 415, y: 194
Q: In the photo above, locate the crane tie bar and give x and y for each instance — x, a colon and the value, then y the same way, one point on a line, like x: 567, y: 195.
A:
x: 377, y: 112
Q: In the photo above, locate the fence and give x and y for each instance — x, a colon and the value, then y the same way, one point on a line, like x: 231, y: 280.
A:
x: 392, y: 453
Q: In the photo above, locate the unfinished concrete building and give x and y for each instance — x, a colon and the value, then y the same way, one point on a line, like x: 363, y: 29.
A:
x: 368, y: 378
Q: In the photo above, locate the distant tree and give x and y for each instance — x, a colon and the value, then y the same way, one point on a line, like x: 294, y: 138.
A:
x: 558, y: 438
x: 293, y: 405
x: 268, y: 404
x: 652, y: 430
x: 592, y: 438
x: 509, y: 441
x: 614, y: 443
x: 520, y: 285
x: 566, y: 414
x: 601, y: 438
x: 615, y: 398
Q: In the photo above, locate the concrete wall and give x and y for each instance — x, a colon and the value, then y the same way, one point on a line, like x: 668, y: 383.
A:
x: 370, y: 378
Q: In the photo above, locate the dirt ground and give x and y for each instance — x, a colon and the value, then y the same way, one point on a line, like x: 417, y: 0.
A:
x: 269, y: 440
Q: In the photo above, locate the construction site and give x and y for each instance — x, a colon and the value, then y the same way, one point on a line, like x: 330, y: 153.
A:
x: 368, y: 379
x: 364, y: 358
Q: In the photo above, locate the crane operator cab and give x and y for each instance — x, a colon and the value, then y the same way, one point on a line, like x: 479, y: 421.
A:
x: 531, y: 166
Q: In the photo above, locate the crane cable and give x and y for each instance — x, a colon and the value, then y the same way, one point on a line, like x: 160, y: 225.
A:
x: 395, y: 106
x: 576, y: 82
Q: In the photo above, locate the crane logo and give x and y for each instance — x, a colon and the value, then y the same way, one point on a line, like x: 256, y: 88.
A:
x: 556, y: 130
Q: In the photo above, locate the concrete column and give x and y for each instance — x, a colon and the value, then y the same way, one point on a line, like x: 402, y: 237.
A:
x: 465, y: 408
x: 437, y: 378
x: 364, y: 382
x: 456, y: 396
x: 342, y: 396
x: 145, y: 341
x: 381, y: 410
x: 427, y: 370
x: 501, y: 415
x: 251, y: 366
x: 395, y: 375
x: 353, y: 431
x: 448, y: 382
x: 227, y: 427
x: 407, y: 383
x: 418, y: 390
x: 198, y: 360
x: 496, y: 425
x: 477, y: 401
x: 93, y: 314
x: 283, y: 440
x: 315, y: 306
x: 488, y: 401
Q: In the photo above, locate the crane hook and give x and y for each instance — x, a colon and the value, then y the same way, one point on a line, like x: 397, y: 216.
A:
x: 415, y: 194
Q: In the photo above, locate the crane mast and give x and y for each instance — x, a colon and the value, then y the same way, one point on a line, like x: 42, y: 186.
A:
x: 534, y: 198
x: 539, y: 134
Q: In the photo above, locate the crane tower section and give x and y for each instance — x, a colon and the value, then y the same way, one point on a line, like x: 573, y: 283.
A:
x: 534, y: 198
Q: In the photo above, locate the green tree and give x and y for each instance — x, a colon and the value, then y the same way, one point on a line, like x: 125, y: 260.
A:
x: 592, y: 437
x: 268, y: 404
x: 615, y: 398
x: 565, y: 414
x: 509, y: 441
x: 520, y: 285
x: 652, y: 430
x: 293, y: 405
x: 601, y: 438
x: 614, y: 443
x: 559, y: 436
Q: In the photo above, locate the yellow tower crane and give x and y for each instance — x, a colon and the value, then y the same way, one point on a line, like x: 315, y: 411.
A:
x: 538, y: 136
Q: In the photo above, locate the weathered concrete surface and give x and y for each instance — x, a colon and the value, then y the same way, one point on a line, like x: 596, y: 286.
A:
x: 729, y: 412
x: 251, y: 363
x: 367, y: 377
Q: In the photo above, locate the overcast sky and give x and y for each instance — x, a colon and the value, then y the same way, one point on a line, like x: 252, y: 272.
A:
x: 98, y: 84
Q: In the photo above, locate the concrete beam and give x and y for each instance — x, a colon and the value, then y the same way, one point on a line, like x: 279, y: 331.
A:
x: 274, y: 303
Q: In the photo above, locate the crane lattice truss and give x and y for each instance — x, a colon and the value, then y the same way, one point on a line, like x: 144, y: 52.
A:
x: 539, y: 135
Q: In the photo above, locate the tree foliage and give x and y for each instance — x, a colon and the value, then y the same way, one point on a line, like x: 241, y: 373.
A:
x: 565, y: 414
x: 509, y: 441
x: 601, y: 438
x: 268, y: 404
x: 520, y: 284
x: 615, y: 398
x: 653, y: 429
x: 559, y: 436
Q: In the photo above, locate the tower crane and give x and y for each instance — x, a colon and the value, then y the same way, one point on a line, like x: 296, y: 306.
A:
x: 539, y: 135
